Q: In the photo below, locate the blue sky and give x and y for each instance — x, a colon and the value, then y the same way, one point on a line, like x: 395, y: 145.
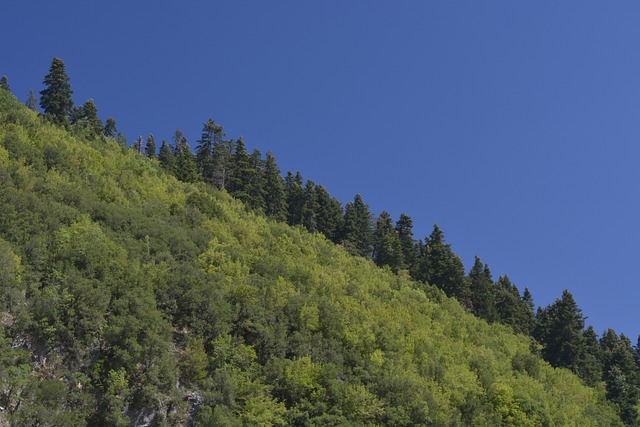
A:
x: 513, y: 125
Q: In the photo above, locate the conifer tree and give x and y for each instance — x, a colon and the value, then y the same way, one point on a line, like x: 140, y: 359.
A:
x: 559, y: 329
x: 274, y: 196
x: 166, y: 157
x: 4, y: 84
x: 387, y: 249
x: 110, y: 130
x: 185, y: 168
x: 330, y: 214
x: 90, y: 115
x: 356, y: 234
x: 150, y: 146
x: 222, y: 153
x: 482, y: 291
x: 295, y: 198
x: 55, y: 98
x: 404, y: 228
x: 255, y: 183
x: 204, y: 151
x: 310, y: 211
x: 137, y: 146
x: 241, y: 173
x: 32, y: 101
x: 440, y: 266
x: 590, y: 369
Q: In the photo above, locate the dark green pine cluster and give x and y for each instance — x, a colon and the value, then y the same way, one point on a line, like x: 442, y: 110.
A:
x: 236, y: 336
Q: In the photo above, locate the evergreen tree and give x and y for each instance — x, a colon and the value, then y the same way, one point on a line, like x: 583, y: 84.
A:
x: 256, y: 187
x: 387, y: 249
x: 4, y: 84
x: 294, y: 197
x: 482, y: 291
x: 32, y: 101
x: 137, y: 146
x: 590, y: 368
x: 356, y: 234
x: 621, y: 375
x: 559, y: 329
x: 186, y: 169
x: 55, y: 98
x: 204, y: 151
x: 310, y: 211
x: 241, y: 173
x: 150, y: 146
x: 166, y: 157
x: 110, y: 130
x: 91, y: 117
x: 404, y: 228
x: 222, y: 156
x: 274, y: 196
x: 440, y: 266
x: 330, y: 213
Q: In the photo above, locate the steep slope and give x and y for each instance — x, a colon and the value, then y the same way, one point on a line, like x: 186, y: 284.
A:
x: 129, y: 297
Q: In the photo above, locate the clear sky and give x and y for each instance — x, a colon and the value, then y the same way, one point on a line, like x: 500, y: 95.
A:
x: 513, y: 125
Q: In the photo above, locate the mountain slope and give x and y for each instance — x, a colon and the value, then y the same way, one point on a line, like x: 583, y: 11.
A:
x: 129, y: 297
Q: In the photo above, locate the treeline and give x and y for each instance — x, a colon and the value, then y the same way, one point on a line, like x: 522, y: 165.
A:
x: 558, y: 330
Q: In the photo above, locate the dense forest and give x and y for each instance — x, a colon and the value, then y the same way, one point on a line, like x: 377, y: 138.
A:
x: 155, y: 285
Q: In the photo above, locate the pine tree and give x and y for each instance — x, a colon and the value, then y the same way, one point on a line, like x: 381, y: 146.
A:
x: 91, y: 117
x: 241, y: 173
x: 150, y: 146
x: 356, y: 231
x: 621, y: 375
x: 55, y: 99
x: 204, y: 151
x: 274, y: 195
x: 137, y: 146
x: 559, y: 329
x: 310, y: 211
x: 255, y: 183
x: 404, y: 228
x: 166, y: 157
x: 32, y: 101
x: 482, y: 291
x: 186, y: 169
x: 110, y: 130
x: 330, y: 214
x: 387, y: 249
x: 440, y: 266
x: 4, y: 84
x: 590, y: 367
x: 295, y: 198
x: 222, y: 154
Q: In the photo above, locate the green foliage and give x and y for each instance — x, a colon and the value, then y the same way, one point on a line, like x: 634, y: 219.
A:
x: 55, y: 98
x: 4, y: 84
x: 128, y: 293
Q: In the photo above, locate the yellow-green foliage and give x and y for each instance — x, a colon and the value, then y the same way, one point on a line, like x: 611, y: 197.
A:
x: 137, y: 282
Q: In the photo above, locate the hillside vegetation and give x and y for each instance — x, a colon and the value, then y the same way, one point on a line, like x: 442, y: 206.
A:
x: 129, y: 297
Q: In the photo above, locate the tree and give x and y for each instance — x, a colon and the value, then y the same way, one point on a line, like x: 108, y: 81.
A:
x: 137, y: 146
x: 166, y: 157
x: 55, y: 98
x: 310, y: 210
x: 482, y: 292
x: 4, y: 84
x: 150, y: 147
x: 186, y: 169
x: 356, y: 231
x: 204, y: 151
x: 110, y: 130
x: 295, y: 198
x: 91, y: 117
x: 241, y: 173
x: 32, y: 101
x: 330, y: 214
x: 387, y: 249
x: 255, y: 189
x: 559, y: 329
x: 440, y: 266
x: 222, y: 152
x: 274, y: 196
x: 404, y: 228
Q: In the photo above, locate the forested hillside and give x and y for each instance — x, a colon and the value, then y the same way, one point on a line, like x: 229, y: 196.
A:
x: 130, y: 296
